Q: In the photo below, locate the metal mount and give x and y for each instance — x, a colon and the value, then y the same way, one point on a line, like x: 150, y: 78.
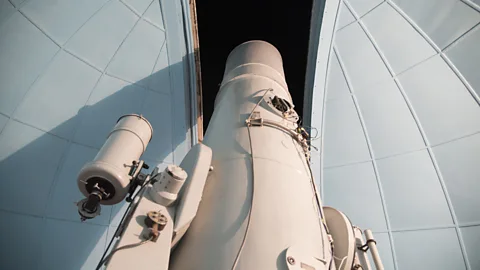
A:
x: 156, y: 221
x: 89, y: 208
x: 255, y: 119
x: 138, y: 178
x: 281, y: 107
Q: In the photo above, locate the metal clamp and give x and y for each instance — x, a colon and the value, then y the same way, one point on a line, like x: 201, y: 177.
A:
x: 156, y: 221
x: 365, y: 247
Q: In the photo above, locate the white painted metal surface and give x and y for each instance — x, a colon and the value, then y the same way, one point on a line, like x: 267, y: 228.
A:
x: 197, y: 164
x: 144, y: 254
x: 258, y: 200
x: 138, y: 246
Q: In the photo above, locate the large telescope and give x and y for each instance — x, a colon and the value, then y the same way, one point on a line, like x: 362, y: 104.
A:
x: 259, y: 205
x: 244, y: 198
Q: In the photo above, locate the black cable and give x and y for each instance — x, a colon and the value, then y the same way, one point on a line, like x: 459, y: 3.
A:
x: 103, y: 259
x: 331, y: 259
x: 124, y: 247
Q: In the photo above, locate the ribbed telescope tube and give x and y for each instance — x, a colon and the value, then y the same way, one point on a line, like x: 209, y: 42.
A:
x: 258, y: 204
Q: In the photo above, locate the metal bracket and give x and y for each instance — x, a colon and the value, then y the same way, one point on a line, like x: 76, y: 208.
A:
x: 156, y: 221
x: 254, y: 119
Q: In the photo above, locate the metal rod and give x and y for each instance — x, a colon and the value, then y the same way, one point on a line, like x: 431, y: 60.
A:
x: 373, y: 249
x: 362, y: 255
x: 258, y: 103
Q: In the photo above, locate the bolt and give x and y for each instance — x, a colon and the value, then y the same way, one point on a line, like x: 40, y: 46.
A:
x: 291, y: 260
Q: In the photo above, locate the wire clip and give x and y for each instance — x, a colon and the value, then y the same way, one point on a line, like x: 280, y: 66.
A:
x: 365, y: 247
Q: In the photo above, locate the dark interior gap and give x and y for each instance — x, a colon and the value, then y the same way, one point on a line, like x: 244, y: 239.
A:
x: 222, y: 25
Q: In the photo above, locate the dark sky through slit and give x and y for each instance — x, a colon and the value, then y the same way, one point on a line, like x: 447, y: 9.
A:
x: 225, y: 24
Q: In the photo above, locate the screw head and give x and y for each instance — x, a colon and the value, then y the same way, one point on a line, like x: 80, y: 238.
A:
x: 291, y: 260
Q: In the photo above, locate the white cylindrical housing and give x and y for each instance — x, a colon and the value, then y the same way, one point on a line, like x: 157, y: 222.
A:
x: 112, y: 167
x: 258, y: 200
x: 165, y: 190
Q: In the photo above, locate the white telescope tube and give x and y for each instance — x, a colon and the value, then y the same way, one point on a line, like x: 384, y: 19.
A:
x: 112, y: 167
x: 258, y: 203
